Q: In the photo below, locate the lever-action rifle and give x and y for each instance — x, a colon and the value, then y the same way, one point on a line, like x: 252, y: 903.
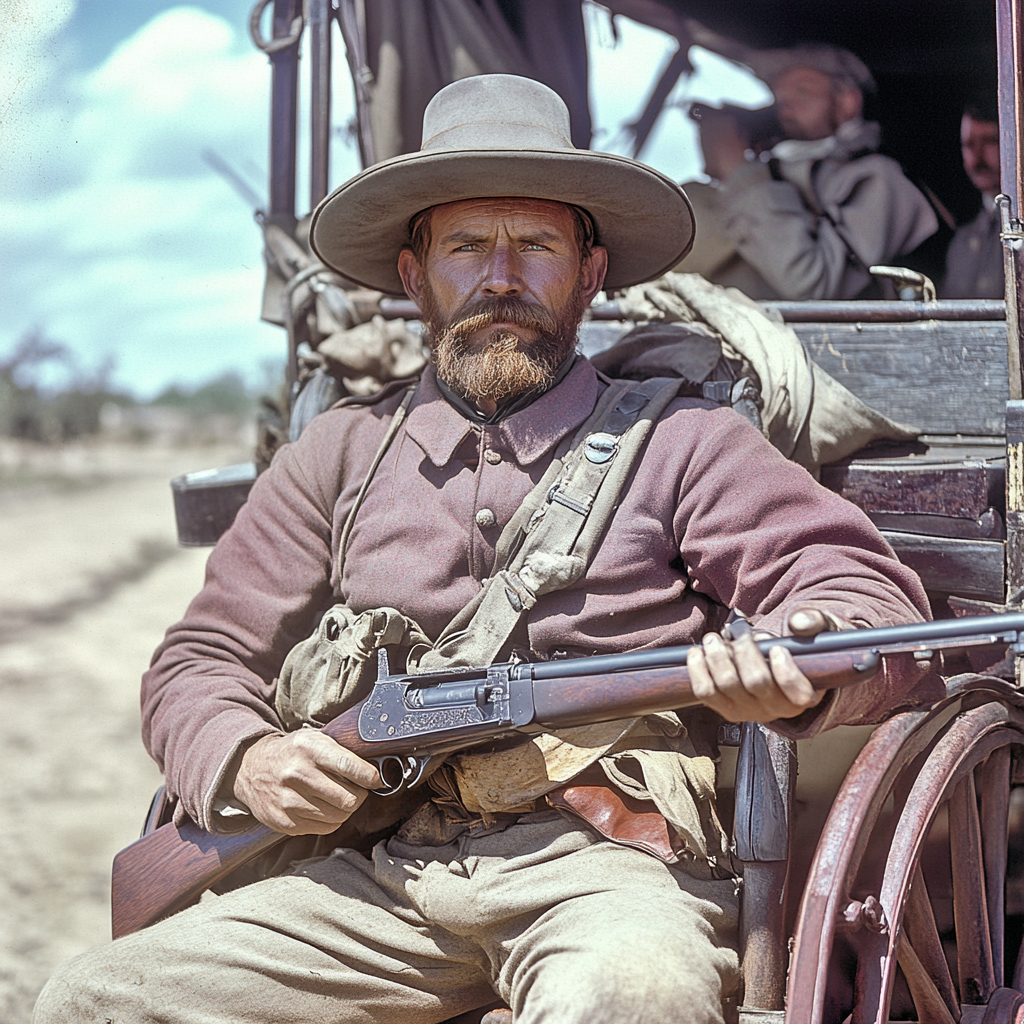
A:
x: 408, y: 721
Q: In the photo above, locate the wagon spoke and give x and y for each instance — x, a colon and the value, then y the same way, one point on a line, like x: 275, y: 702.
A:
x: 994, y: 786
x: 970, y: 909
x: 923, y: 935
x: 929, y: 1002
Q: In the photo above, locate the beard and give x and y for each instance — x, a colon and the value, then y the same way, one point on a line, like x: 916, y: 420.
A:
x: 503, y: 365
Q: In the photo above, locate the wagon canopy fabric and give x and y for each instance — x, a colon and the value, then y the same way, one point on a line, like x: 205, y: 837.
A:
x: 416, y: 47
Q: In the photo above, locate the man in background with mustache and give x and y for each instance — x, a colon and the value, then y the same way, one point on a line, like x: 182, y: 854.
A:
x: 974, y: 260
x: 492, y: 882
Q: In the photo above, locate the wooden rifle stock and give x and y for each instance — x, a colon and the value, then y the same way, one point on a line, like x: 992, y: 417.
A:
x: 169, y: 869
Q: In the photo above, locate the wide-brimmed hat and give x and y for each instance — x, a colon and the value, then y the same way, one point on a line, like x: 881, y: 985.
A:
x: 502, y: 135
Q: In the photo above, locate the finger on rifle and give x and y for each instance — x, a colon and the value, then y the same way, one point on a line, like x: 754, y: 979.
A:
x: 792, y: 683
x: 760, y: 698
x: 808, y: 621
x: 332, y: 757
x: 302, y: 782
x: 709, y: 665
x: 301, y: 812
x: 755, y: 675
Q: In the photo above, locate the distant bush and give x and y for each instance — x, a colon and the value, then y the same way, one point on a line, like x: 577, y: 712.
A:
x: 226, y: 395
x: 34, y: 407
x: 31, y: 410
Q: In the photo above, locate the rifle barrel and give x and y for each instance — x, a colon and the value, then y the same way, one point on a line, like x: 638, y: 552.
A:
x: 915, y: 636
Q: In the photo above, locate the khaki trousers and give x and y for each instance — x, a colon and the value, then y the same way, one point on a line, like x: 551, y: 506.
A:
x: 563, y: 925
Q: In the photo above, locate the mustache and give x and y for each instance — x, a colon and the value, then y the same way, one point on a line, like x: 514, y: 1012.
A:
x: 499, y: 309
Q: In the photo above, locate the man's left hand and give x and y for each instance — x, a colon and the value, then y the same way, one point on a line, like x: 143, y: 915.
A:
x: 735, y: 679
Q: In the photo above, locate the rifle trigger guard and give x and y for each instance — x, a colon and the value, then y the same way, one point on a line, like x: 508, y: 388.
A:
x: 400, y: 772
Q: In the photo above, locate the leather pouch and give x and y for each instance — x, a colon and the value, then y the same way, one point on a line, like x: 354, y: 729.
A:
x: 621, y: 818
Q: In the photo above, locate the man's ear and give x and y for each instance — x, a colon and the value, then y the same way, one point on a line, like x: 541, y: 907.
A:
x: 849, y: 104
x: 411, y: 273
x: 592, y: 272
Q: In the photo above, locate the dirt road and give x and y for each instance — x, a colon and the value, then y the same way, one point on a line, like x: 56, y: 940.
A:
x: 90, y: 577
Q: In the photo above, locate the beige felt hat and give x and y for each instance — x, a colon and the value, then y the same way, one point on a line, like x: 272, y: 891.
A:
x: 502, y: 135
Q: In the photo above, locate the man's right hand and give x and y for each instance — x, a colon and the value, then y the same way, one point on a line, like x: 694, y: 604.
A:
x: 722, y: 141
x: 303, y: 783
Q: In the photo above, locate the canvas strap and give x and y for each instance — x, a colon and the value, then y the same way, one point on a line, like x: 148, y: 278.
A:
x: 552, y: 537
x: 350, y: 520
x: 550, y: 540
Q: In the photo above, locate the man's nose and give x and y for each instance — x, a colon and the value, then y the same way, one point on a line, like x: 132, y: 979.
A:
x: 502, y: 276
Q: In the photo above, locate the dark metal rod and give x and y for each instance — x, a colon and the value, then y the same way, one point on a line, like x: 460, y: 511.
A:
x: 1011, y: 132
x: 641, y: 128
x: 284, y: 112
x: 918, y: 633
x: 319, y: 15
x: 353, y: 35
x: 888, y: 312
x: 803, y: 312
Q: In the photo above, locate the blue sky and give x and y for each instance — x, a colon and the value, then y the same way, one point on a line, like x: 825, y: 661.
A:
x: 121, y: 242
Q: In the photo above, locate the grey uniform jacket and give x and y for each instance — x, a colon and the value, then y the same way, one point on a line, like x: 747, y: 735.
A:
x: 974, y: 261
x: 840, y: 208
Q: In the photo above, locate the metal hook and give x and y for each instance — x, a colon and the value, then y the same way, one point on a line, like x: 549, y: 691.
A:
x: 275, y: 45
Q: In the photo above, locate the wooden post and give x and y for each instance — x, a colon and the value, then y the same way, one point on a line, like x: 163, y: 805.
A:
x: 284, y: 98
x: 1011, y: 145
x: 319, y: 15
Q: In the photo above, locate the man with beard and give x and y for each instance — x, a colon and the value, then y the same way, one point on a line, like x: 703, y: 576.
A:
x: 974, y: 260
x: 391, y: 514
x: 809, y: 216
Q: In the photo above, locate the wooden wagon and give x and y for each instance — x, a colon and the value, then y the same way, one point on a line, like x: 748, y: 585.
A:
x: 911, y: 906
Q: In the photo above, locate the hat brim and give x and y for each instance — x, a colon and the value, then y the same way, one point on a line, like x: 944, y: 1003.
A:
x: 642, y: 217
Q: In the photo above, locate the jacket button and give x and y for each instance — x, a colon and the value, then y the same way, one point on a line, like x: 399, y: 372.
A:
x: 485, y: 517
x: 492, y: 456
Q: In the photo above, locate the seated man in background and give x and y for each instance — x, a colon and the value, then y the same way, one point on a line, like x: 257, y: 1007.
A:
x: 974, y: 261
x: 809, y: 217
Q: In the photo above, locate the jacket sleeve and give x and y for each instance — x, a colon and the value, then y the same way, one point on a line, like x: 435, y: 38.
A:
x: 873, y: 214
x: 210, y: 685
x: 759, y: 535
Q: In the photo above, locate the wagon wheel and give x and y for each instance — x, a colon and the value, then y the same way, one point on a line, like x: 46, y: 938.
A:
x: 922, y: 816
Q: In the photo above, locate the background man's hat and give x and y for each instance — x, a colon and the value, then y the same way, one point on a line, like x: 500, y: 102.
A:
x: 502, y: 135
x: 845, y: 67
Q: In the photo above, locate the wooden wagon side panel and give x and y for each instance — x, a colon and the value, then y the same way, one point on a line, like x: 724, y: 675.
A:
x: 942, y: 377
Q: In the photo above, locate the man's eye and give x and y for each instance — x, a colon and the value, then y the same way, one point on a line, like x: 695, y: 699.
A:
x: 535, y: 245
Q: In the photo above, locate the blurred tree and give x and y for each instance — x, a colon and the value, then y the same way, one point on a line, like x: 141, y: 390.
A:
x: 34, y: 410
x: 227, y: 394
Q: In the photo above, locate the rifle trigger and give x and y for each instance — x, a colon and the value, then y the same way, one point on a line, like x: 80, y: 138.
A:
x: 401, y: 772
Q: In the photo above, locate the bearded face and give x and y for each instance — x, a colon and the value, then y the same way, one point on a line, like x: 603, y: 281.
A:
x: 501, y: 347
x: 501, y: 284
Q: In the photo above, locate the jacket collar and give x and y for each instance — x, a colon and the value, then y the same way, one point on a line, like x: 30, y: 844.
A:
x: 438, y: 428
x: 852, y: 137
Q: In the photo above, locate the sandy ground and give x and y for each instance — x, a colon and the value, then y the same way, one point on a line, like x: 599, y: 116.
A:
x: 90, y: 577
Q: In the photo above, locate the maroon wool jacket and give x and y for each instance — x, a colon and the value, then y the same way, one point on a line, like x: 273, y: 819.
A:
x: 714, y: 516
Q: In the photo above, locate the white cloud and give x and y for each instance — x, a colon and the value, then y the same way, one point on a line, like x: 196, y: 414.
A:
x: 118, y: 238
